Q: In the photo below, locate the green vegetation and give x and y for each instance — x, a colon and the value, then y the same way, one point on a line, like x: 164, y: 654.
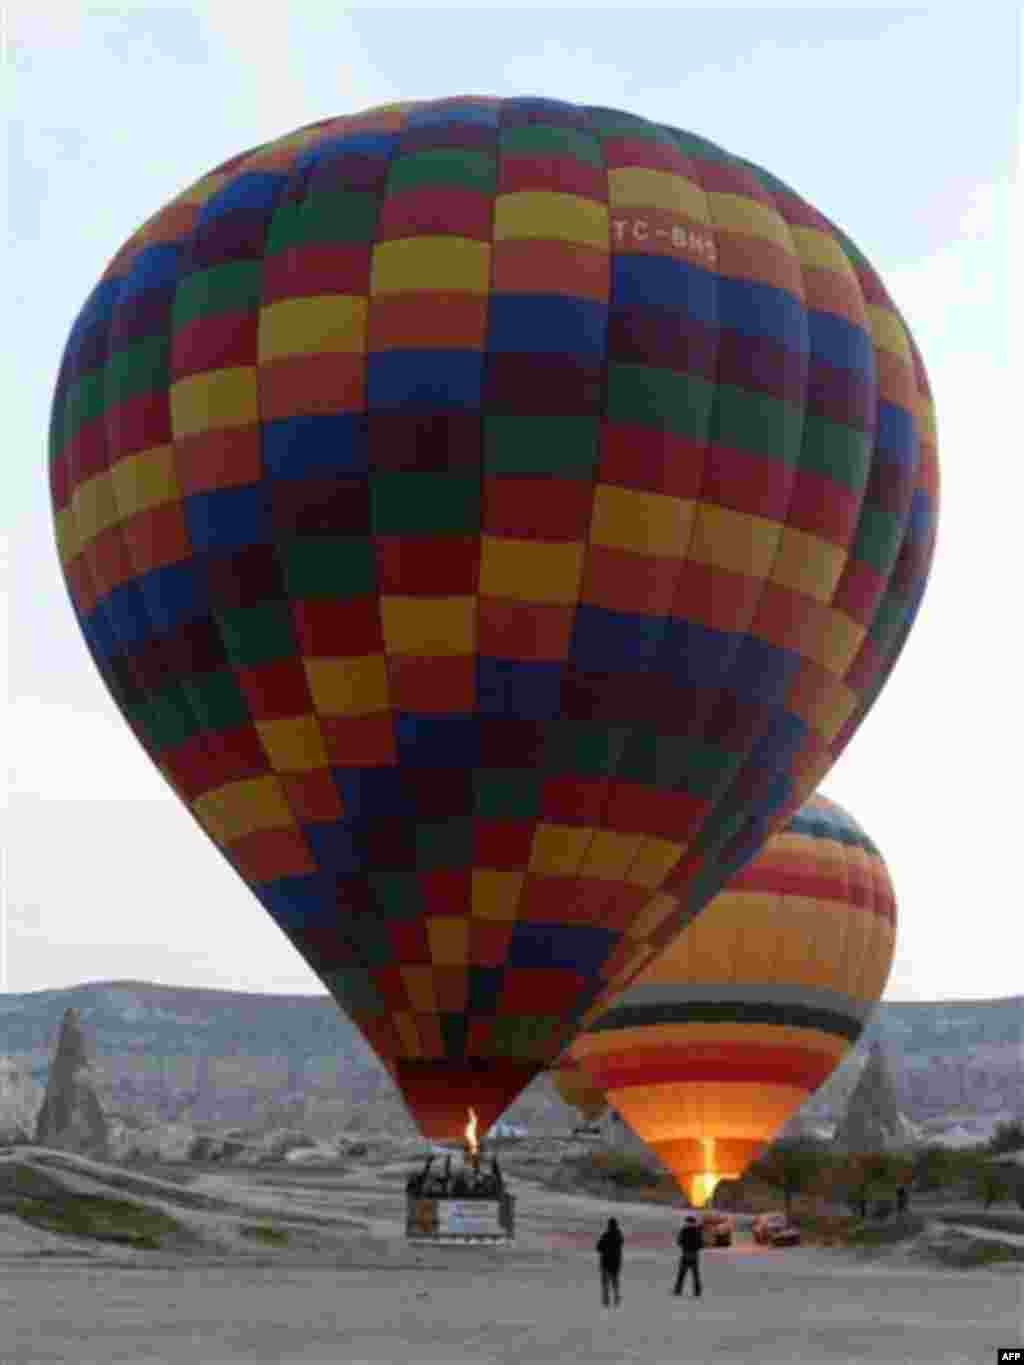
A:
x: 792, y: 1167
x: 889, y: 1233
x: 104, y: 1220
x: 1008, y: 1137
x: 598, y: 1170
x: 969, y: 1253
x: 263, y: 1232
x: 990, y: 1185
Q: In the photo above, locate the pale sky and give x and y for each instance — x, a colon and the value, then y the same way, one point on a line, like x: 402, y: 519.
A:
x: 901, y: 126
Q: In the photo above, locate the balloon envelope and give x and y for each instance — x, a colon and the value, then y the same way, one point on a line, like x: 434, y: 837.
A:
x: 714, y: 1046
x: 576, y: 1089
x: 493, y: 517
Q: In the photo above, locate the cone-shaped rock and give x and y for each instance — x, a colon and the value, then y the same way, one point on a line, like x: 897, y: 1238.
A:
x: 71, y: 1116
x: 20, y: 1099
x: 873, y: 1121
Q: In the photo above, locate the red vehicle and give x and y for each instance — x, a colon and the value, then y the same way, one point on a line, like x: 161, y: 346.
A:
x: 775, y: 1229
x: 719, y: 1228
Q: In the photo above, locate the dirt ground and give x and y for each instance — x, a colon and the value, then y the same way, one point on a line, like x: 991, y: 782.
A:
x: 367, y: 1298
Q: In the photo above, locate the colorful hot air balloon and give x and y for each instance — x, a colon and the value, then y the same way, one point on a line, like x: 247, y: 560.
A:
x: 575, y: 1088
x: 714, y: 1046
x: 492, y: 516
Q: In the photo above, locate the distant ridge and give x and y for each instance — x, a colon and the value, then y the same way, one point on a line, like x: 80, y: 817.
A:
x: 942, y: 1054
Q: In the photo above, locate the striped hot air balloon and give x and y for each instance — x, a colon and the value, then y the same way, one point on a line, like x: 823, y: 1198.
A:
x: 576, y: 1089
x: 714, y: 1046
x: 493, y: 517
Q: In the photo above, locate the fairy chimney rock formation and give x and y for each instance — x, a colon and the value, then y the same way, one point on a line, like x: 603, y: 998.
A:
x: 71, y: 1117
x: 873, y: 1121
x: 20, y: 1099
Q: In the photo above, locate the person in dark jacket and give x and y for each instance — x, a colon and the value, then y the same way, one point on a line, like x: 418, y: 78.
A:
x: 691, y: 1243
x: 609, y: 1249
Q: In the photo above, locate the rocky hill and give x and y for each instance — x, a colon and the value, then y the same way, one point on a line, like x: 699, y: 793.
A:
x: 229, y: 1056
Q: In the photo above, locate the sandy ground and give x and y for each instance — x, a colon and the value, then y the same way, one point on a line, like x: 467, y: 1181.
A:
x: 366, y: 1298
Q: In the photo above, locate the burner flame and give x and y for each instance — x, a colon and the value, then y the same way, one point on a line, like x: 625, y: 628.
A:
x: 471, y: 1139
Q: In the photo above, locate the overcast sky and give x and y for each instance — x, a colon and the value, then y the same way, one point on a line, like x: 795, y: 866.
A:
x: 902, y: 126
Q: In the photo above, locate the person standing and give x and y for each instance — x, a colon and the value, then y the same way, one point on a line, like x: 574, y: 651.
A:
x: 609, y: 1249
x: 691, y: 1243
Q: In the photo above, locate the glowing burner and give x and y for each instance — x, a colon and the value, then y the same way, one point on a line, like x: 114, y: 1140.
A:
x: 471, y: 1138
x: 702, y: 1185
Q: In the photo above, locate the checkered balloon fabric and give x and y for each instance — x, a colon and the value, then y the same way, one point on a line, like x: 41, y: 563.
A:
x: 493, y: 517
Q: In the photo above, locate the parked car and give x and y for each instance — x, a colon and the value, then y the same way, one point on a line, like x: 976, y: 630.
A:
x: 775, y: 1229
x: 719, y: 1228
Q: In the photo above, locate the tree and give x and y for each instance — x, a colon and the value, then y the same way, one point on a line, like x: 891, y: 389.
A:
x: 791, y: 1167
x: 1008, y: 1137
x: 989, y: 1185
x: 933, y: 1168
x: 870, y: 1173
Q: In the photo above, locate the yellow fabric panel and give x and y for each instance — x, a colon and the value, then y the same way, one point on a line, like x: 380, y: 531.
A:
x: 293, y: 744
x: 807, y: 564
x: 737, y: 213
x: 530, y: 570
x: 836, y: 642
x: 495, y: 893
x: 655, y: 859
x: 832, y: 710
x: 826, y: 927
x: 856, y: 945
x: 821, y: 251
x: 241, y: 808
x: 551, y: 217
x: 578, y: 1091
x: 214, y: 401
x: 419, y: 986
x: 558, y: 850
x: 791, y: 946
x: 924, y: 411
x: 145, y: 480
x: 877, y: 961
x: 709, y: 951
x: 333, y: 323
x: 405, y: 1027
x: 436, y: 264
x: 610, y: 854
x: 428, y: 625
x: 348, y: 687
x: 93, y: 508
x: 204, y: 188
x: 702, y: 1109
x: 735, y: 541
x: 653, y: 914
x: 66, y: 531
x: 641, y: 187
x: 448, y: 938
x: 888, y: 332
x: 646, y: 523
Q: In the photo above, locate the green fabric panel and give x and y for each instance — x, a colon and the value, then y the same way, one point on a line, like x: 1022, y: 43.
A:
x: 565, y: 447
x: 231, y: 288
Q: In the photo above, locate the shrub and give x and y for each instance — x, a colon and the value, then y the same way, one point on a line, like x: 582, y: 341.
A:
x: 263, y: 1232
x: 989, y: 1186
x: 970, y: 1253
x: 1008, y: 1137
x: 105, y: 1220
x: 889, y: 1233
